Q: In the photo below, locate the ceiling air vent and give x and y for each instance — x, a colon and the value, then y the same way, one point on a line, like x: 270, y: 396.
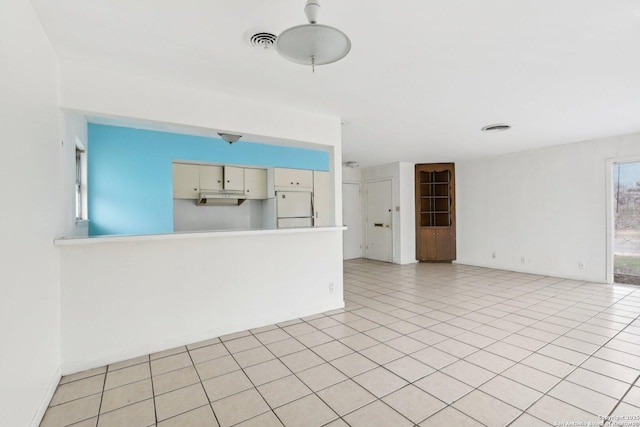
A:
x: 496, y: 128
x: 262, y: 40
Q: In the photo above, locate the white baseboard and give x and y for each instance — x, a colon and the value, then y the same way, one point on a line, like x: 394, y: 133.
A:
x: 517, y: 269
x: 125, y: 354
x: 46, y: 399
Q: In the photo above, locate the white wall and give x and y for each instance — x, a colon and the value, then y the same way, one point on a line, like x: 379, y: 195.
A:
x: 353, y: 176
x: 547, y: 205
x: 407, y: 214
x: 30, y: 182
x: 125, y: 297
x: 403, y: 228
x: 115, y: 94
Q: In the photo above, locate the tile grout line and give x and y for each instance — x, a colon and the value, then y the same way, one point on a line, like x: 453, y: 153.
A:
x: 106, y: 372
x: 153, y: 391
x: 409, y: 383
x: 624, y: 395
x: 215, y: 416
x: 251, y: 334
x: 349, y: 378
x: 313, y: 392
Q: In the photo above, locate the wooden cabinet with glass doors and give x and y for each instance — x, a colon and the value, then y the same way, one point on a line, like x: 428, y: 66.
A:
x: 435, y: 212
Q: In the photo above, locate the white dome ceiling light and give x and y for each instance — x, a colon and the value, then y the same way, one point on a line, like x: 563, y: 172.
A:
x: 313, y: 44
x: 229, y: 137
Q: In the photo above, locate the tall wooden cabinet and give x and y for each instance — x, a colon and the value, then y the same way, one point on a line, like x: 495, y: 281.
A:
x: 435, y: 212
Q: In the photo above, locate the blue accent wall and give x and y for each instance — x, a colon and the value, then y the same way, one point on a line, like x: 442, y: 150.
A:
x: 131, y: 179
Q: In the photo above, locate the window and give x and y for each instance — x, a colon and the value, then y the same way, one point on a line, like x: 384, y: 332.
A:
x: 81, y: 185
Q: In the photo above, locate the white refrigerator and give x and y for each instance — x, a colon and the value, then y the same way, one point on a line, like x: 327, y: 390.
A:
x: 294, y: 209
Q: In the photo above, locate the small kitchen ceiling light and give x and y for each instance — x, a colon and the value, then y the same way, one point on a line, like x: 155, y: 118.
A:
x: 500, y: 127
x: 313, y: 44
x: 230, y: 138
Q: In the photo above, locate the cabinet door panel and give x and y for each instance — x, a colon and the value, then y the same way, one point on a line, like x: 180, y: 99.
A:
x: 304, y: 178
x: 284, y: 177
x: 185, y: 181
x: 255, y: 183
x: 233, y: 178
x: 293, y: 178
x: 443, y: 245
x: 427, y: 247
x: 210, y: 177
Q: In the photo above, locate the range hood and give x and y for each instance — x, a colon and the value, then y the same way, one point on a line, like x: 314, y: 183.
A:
x: 221, y: 198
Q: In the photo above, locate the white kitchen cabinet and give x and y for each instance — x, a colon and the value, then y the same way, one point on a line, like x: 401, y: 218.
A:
x: 233, y: 178
x: 190, y: 179
x: 322, y: 197
x: 210, y: 177
x: 186, y: 181
x: 292, y: 179
x: 255, y: 183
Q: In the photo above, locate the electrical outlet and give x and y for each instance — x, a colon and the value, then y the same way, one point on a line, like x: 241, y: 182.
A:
x: 523, y: 260
x: 580, y: 265
x: 493, y: 255
x: 330, y: 287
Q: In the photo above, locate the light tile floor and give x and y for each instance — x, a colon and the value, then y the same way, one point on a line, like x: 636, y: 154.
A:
x: 424, y: 344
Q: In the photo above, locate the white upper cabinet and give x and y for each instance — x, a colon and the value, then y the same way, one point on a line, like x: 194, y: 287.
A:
x: 190, y: 179
x: 186, y: 181
x: 293, y: 179
x: 255, y: 183
x: 322, y: 196
x: 233, y: 178
x: 210, y: 177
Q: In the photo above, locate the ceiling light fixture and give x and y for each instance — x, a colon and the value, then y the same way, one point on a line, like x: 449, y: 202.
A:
x: 313, y: 44
x: 230, y: 138
x: 500, y: 127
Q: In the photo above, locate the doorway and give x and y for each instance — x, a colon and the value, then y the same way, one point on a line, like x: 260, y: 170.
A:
x: 626, y: 214
x: 379, y: 215
x: 352, y: 217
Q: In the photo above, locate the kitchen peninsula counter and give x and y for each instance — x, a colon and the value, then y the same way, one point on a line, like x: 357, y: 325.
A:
x: 127, y: 296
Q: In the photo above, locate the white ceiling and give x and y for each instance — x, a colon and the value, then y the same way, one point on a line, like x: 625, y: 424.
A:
x: 422, y: 77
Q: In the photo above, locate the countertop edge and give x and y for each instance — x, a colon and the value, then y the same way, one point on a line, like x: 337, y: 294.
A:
x: 188, y: 235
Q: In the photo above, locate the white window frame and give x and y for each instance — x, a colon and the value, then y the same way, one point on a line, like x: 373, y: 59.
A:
x: 81, y: 212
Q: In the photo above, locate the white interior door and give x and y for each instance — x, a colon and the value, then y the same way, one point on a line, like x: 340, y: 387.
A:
x: 352, y: 217
x: 379, y: 195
